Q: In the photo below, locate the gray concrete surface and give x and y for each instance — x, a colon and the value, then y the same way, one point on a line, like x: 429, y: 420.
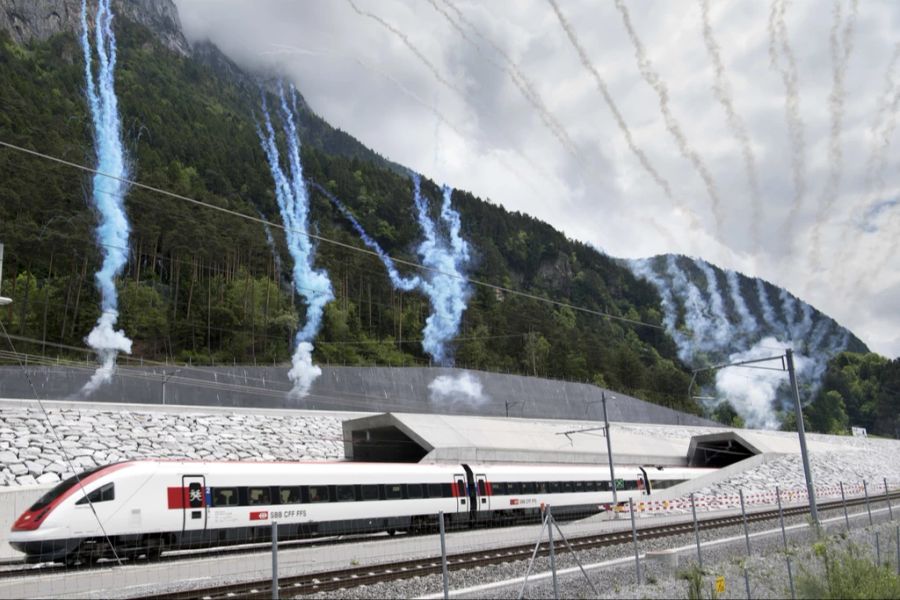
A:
x: 375, y: 389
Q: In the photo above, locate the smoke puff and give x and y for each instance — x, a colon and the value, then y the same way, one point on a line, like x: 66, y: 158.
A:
x: 457, y: 388
x: 752, y: 391
x: 303, y: 372
x: 109, y: 190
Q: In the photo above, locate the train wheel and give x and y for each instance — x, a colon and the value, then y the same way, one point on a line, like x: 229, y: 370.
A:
x: 391, y: 532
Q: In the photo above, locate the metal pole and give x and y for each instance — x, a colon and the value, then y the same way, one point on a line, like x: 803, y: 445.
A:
x: 552, y: 553
x: 637, y: 557
x: 609, y: 454
x: 868, y: 508
x: 887, y: 495
x: 877, y: 550
x: 444, y: 556
x: 747, y: 539
x: 274, y: 560
x: 537, y: 546
x: 897, y: 538
x: 784, y: 539
x: 844, y: 502
x: 696, y: 532
x: 810, y: 488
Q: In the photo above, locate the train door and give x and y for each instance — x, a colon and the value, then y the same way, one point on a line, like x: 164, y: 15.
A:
x: 459, y: 490
x: 484, y: 499
x: 194, y: 505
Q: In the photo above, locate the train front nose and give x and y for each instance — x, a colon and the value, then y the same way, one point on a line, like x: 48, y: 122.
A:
x: 39, y: 544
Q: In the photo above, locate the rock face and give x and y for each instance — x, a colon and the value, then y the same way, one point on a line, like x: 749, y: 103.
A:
x: 28, y: 20
x: 30, y: 454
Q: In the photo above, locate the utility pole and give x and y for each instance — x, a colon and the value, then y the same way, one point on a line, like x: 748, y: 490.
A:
x: 810, y: 488
x: 609, y: 454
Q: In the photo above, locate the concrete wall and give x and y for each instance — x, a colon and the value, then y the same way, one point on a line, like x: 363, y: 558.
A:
x: 373, y: 389
x: 13, y: 502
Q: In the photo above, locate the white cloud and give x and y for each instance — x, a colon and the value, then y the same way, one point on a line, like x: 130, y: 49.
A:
x: 501, y: 149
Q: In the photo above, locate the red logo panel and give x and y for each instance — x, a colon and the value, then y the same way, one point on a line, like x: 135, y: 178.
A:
x: 261, y: 515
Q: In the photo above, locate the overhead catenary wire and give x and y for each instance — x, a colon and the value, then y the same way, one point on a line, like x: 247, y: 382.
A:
x: 324, y: 239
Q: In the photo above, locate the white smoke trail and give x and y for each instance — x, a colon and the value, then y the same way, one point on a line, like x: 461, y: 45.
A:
x: 462, y: 388
x: 766, y: 306
x: 513, y: 72
x: 108, y: 192
x: 720, y: 327
x: 654, y: 80
x: 643, y: 268
x: 620, y: 120
x: 789, y: 309
x: 840, y: 55
x: 722, y: 89
x: 748, y: 321
x: 705, y: 332
x: 781, y: 57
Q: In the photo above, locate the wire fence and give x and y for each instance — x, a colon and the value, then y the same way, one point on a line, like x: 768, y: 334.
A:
x: 201, y: 549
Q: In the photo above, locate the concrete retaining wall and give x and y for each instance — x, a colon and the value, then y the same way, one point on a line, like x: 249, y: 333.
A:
x: 375, y: 389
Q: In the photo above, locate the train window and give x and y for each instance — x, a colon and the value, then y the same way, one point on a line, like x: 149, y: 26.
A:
x: 368, y: 492
x: 590, y: 486
x: 224, y: 496
x: 435, y: 490
x: 603, y: 486
x: 460, y: 488
x: 498, y: 488
x: 393, y: 491
x: 631, y: 484
x: 318, y: 493
x: 528, y: 487
x: 414, y: 490
x: 258, y: 495
x: 482, y: 488
x: 514, y: 488
x: 101, y: 494
x: 345, y: 493
x: 579, y: 486
x: 567, y: 487
x: 60, y: 489
x: 290, y: 495
x: 555, y: 487
x: 541, y: 487
x: 446, y: 490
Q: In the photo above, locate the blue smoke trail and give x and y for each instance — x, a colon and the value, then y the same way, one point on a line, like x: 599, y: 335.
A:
x: 445, y: 259
x: 108, y: 193
x: 293, y: 203
x: 445, y: 285
x: 399, y: 282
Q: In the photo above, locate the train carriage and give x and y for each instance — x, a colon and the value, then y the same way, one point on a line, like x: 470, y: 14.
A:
x: 149, y: 506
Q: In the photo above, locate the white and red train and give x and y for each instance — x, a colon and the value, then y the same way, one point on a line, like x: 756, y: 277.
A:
x: 149, y: 506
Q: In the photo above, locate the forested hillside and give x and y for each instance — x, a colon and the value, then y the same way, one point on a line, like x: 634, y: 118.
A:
x: 205, y: 287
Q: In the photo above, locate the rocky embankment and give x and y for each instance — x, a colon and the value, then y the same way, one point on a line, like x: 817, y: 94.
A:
x: 30, y: 453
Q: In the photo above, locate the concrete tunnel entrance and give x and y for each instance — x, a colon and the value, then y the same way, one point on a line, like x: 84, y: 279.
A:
x: 717, y: 450
x: 385, y: 444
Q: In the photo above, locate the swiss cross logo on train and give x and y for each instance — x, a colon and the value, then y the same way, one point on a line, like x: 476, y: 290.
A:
x: 195, y: 495
x: 261, y: 515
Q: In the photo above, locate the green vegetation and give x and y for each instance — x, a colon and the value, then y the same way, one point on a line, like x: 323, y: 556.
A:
x: 861, y: 390
x: 203, y: 286
x: 694, y: 578
x: 849, y: 573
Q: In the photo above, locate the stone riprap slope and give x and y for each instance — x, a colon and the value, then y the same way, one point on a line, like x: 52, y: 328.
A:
x: 30, y: 454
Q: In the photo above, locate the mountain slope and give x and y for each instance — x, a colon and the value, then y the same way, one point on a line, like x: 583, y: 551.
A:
x: 209, y: 288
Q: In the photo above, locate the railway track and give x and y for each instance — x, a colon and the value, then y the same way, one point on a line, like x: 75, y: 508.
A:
x: 344, y: 578
x: 19, y: 568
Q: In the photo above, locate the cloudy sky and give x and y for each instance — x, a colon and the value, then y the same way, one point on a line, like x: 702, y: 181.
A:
x: 760, y: 136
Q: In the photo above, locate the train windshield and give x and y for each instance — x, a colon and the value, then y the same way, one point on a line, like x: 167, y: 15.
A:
x: 61, y: 489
